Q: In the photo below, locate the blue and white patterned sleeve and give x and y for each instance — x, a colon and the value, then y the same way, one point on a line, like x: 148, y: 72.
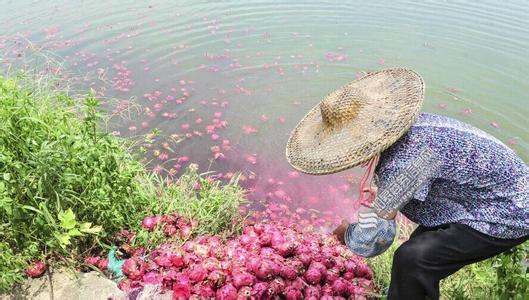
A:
x: 410, y: 182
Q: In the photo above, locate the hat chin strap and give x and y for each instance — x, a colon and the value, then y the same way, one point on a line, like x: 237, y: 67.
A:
x: 371, y: 164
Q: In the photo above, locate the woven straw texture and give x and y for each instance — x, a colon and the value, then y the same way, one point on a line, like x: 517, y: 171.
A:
x: 353, y: 124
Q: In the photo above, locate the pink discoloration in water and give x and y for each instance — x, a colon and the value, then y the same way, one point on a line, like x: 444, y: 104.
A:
x: 293, y: 174
x: 251, y: 158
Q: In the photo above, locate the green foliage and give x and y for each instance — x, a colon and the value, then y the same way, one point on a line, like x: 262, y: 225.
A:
x: 501, y: 277
x: 12, y: 264
x: 214, y: 207
x: 66, y: 187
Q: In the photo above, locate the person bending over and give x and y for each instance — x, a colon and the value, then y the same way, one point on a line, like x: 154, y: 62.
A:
x: 467, y: 191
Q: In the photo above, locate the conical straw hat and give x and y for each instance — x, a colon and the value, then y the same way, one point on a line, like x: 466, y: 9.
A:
x: 355, y: 123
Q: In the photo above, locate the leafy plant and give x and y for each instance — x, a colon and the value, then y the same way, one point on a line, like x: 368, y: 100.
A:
x: 66, y: 186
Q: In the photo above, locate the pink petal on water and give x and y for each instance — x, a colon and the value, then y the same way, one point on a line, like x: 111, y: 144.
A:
x: 467, y: 111
x: 217, y: 114
x: 132, y: 128
x: 251, y: 158
x: 281, y: 119
x: 185, y: 126
x: 198, y: 120
x: 145, y: 124
x: 182, y: 82
x: 494, y: 124
x: 248, y: 129
x: 157, y: 169
x: 183, y: 159
x: 264, y: 118
x: 214, y: 136
x: 381, y: 61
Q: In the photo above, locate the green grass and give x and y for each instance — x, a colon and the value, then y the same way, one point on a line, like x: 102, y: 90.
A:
x: 502, y: 277
x: 66, y: 187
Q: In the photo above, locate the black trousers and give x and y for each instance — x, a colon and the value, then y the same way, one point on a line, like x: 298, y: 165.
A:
x: 433, y: 253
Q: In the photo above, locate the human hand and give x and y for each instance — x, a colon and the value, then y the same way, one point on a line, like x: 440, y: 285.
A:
x: 339, y: 232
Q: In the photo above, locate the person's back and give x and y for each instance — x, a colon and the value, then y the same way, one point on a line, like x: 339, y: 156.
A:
x: 481, y: 182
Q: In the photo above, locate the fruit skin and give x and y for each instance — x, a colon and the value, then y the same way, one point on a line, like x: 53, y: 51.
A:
x: 103, y: 264
x: 148, y: 223
x: 181, y: 290
x: 292, y: 293
x: 35, y: 269
x: 92, y: 260
x: 270, y: 260
x: 288, y: 272
x: 134, y: 268
x: 152, y: 278
x: 197, y: 273
x: 227, y: 292
x: 312, y: 276
x: 241, y: 278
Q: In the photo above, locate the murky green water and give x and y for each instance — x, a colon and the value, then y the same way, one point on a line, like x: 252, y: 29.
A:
x: 263, y: 64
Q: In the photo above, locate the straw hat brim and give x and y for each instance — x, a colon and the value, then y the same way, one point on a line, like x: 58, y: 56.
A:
x: 393, y: 99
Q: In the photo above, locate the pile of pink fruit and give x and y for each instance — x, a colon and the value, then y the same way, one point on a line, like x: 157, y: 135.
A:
x: 274, y: 258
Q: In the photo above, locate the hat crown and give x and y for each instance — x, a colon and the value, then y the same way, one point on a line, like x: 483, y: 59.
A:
x: 342, y: 106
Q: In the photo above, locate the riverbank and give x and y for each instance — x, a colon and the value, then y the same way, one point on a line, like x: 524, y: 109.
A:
x: 68, y: 190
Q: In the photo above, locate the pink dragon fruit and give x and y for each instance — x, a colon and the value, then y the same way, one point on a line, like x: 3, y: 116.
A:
x: 35, y: 269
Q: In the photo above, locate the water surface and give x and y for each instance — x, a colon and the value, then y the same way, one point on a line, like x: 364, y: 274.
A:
x: 255, y: 68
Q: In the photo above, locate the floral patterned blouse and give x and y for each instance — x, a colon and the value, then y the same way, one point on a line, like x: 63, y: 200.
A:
x: 475, y: 179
